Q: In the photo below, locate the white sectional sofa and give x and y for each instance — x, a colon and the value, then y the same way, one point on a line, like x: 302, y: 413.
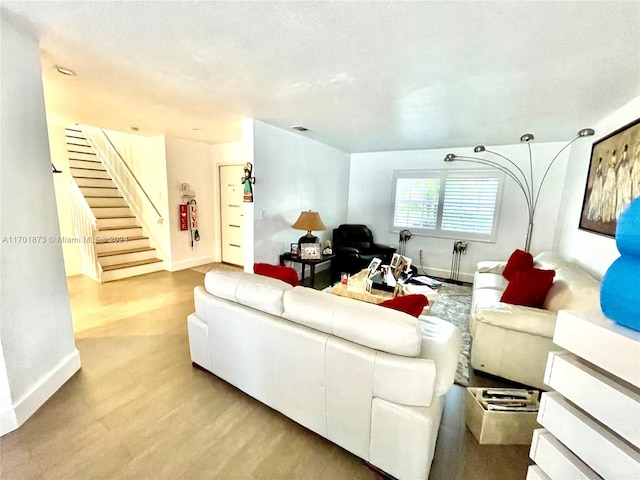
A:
x: 368, y: 378
x: 512, y: 341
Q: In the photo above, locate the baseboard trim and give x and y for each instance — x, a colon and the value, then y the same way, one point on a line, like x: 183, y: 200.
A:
x: 49, y: 384
x: 190, y: 263
x: 441, y: 273
x: 8, y: 421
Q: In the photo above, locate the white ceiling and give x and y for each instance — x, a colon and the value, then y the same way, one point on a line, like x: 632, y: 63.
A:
x: 363, y: 76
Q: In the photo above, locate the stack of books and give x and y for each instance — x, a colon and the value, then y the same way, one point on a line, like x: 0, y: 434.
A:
x: 509, y: 400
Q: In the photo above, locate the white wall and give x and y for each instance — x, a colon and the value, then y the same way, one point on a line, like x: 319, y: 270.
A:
x: 146, y: 158
x: 36, y: 332
x: 594, y: 252
x: 370, y: 203
x: 294, y: 173
x: 191, y: 162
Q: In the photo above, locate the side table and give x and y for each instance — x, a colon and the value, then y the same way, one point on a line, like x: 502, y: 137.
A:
x: 312, y: 262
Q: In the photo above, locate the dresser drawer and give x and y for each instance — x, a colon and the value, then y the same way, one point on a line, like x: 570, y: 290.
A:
x: 605, y: 453
x: 600, y: 341
x: 534, y: 472
x: 597, y: 393
x: 555, y: 460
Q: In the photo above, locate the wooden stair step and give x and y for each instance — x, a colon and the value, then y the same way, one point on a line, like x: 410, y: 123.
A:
x: 92, y: 169
x: 99, y: 196
x: 84, y: 159
x: 91, y: 178
x: 121, y: 227
x: 110, y: 218
x: 125, y: 252
x: 130, y: 239
x: 130, y: 264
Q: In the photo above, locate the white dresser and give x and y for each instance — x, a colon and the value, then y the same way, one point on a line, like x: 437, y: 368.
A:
x: 592, y: 419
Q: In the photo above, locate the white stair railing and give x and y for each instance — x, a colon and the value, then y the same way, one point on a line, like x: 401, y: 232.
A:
x: 85, y: 227
x: 131, y: 189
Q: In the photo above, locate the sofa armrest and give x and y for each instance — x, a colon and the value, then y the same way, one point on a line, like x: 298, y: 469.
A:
x: 535, y: 321
x: 346, y: 250
x: 404, y: 380
x: 490, y: 266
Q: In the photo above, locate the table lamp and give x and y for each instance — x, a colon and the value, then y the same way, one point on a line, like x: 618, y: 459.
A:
x: 308, y: 221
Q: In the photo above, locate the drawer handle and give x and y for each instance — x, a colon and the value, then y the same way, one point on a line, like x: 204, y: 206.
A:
x: 234, y: 226
x: 234, y: 245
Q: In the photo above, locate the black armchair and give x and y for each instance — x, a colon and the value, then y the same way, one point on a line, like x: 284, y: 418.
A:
x: 354, y: 248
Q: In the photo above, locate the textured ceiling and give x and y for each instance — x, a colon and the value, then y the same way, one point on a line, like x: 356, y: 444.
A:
x: 363, y: 76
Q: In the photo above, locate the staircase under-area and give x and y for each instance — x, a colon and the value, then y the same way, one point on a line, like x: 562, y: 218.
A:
x: 121, y: 246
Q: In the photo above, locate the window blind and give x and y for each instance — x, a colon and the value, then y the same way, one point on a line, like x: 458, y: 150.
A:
x: 447, y: 203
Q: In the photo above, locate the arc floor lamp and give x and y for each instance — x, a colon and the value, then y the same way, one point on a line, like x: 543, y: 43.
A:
x: 523, y: 179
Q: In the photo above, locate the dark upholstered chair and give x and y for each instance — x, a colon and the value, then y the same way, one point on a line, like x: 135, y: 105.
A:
x: 354, y: 248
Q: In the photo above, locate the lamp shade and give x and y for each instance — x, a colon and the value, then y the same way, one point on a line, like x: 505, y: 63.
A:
x: 309, y: 221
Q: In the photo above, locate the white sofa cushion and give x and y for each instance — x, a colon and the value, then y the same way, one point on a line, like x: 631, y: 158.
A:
x: 549, y: 261
x: 573, y: 289
x: 516, y: 317
x: 494, y: 281
x: 363, y: 323
x: 255, y: 291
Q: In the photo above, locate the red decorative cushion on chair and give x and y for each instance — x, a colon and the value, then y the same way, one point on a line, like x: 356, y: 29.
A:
x: 518, y: 261
x: 529, y: 288
x: 411, y: 304
x: 286, y: 274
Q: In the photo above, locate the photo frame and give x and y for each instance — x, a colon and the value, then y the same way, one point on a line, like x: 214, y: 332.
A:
x: 401, y: 264
x: 374, y: 265
x: 394, y: 263
x: 310, y: 251
x: 613, y: 180
x: 294, y: 250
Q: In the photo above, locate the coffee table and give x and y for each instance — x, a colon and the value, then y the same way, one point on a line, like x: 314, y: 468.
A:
x: 356, y: 288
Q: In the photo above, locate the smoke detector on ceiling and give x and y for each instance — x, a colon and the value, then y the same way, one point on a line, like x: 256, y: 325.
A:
x: 299, y: 128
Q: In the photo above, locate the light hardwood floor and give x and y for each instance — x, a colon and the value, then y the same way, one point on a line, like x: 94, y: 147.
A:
x: 138, y: 409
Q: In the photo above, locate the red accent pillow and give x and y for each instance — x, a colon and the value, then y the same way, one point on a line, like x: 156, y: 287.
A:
x: 529, y: 288
x: 518, y: 261
x: 411, y: 304
x: 286, y: 274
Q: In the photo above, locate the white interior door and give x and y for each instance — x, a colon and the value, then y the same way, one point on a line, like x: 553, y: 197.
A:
x: 232, y: 214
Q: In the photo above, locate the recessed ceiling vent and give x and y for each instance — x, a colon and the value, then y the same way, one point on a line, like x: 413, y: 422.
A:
x: 299, y: 128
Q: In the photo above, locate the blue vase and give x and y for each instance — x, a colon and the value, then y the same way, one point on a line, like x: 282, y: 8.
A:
x: 620, y: 290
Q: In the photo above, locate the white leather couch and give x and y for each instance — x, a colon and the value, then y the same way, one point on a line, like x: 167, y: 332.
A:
x: 368, y: 378
x: 513, y: 341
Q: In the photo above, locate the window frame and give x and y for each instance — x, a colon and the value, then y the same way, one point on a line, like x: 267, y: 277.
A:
x: 443, y: 174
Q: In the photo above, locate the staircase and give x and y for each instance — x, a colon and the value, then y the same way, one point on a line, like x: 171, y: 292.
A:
x: 121, y: 247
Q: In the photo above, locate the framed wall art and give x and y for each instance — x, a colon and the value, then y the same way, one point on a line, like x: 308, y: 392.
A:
x: 613, y: 179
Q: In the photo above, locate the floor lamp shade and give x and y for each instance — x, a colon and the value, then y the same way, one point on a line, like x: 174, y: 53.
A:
x: 309, y: 221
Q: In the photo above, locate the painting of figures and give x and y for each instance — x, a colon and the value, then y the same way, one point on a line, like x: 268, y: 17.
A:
x: 613, y: 180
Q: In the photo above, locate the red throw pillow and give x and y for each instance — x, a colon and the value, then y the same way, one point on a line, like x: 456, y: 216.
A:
x: 411, y: 304
x: 529, y: 288
x: 286, y: 274
x: 518, y: 261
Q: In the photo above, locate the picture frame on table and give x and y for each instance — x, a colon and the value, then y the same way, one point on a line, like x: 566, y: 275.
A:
x: 394, y: 263
x: 294, y: 250
x: 374, y: 265
x: 613, y: 179
x: 310, y: 251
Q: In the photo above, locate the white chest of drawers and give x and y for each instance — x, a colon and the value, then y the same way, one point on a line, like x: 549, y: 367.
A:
x: 592, y: 419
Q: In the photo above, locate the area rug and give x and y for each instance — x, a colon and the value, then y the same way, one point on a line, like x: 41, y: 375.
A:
x: 453, y: 305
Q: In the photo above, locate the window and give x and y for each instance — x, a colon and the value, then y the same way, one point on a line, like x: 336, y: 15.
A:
x: 447, y: 203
